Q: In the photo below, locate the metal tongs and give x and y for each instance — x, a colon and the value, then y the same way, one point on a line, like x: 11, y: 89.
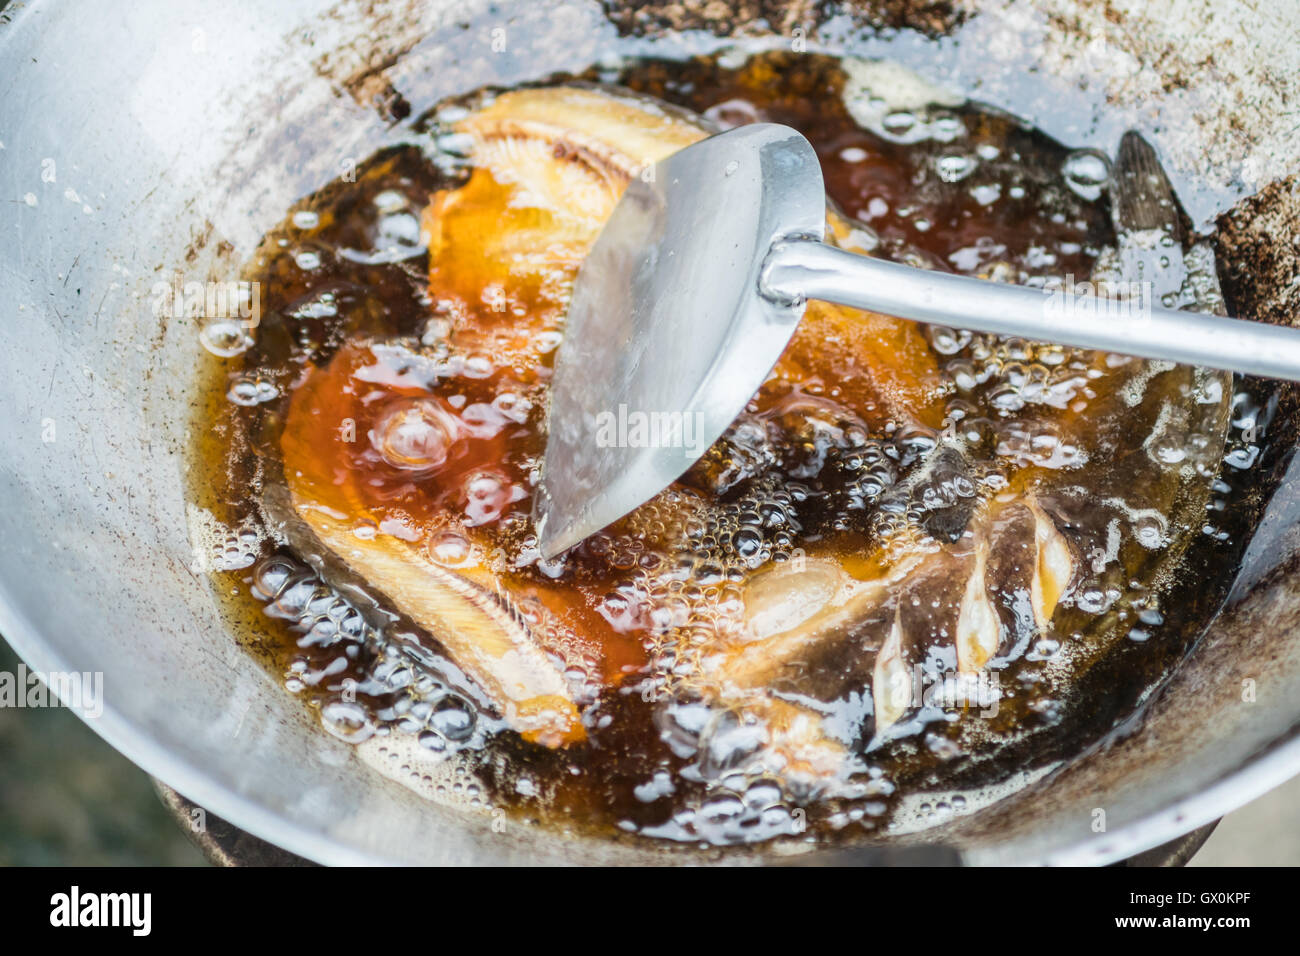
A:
x: 697, y: 282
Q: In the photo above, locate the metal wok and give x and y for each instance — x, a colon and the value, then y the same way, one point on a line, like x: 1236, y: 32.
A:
x: 142, y: 140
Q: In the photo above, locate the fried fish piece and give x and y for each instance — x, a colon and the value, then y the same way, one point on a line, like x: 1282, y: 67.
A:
x: 504, y: 248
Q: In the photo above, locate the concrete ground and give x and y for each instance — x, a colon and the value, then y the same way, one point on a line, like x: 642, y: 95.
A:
x: 66, y: 797
x: 1263, y: 833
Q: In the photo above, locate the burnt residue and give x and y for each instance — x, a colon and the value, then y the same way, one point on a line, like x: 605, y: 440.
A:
x: 358, y: 69
x: 1258, y: 246
x: 744, y: 17
x: 1257, y: 242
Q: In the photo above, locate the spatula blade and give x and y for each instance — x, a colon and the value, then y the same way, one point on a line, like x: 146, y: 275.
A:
x: 667, y: 336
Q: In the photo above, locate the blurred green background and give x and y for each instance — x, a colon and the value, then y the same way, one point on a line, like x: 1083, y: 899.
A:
x: 67, y: 798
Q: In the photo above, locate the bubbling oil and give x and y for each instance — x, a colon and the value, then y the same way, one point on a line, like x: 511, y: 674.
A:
x: 447, y: 435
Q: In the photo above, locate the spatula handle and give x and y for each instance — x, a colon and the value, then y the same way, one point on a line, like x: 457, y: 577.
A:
x: 1128, y: 326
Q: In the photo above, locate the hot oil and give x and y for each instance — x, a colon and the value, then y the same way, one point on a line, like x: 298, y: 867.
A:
x: 345, y: 284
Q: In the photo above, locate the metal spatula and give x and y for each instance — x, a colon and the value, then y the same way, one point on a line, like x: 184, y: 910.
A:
x: 696, y: 283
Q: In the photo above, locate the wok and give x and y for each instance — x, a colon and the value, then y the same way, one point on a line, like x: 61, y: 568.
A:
x: 141, y: 141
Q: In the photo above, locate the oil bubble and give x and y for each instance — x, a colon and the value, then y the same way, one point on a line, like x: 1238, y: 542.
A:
x: 1086, y: 172
x: 249, y: 391
x: 955, y: 167
x: 225, y: 338
x: 347, y: 721
x: 450, y: 549
x: 416, y: 435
